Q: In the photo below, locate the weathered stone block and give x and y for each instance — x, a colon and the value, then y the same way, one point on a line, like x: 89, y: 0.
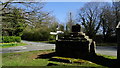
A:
x: 76, y: 44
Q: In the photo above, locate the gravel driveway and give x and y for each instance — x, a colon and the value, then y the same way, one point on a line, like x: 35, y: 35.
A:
x: 106, y: 50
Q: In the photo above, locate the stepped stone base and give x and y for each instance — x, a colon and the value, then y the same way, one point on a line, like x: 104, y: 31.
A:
x: 76, y: 44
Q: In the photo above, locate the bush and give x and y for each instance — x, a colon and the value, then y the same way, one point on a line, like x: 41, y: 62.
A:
x: 38, y: 34
x: 8, y: 44
x: 8, y: 39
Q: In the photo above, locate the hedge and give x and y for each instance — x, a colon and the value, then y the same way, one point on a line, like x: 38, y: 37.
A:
x: 41, y: 34
x: 8, y: 39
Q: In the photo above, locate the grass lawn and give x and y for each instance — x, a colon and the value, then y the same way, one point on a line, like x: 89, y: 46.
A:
x: 24, y: 59
x: 43, y: 58
x: 6, y: 45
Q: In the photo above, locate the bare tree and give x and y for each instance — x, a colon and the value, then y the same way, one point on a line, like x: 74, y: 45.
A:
x: 30, y: 12
x: 89, y: 16
x: 108, y: 21
x: 116, y: 6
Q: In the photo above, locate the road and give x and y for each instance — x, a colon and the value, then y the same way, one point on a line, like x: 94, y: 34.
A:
x: 105, y: 50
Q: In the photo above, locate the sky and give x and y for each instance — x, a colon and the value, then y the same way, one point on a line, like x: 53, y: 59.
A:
x: 61, y: 9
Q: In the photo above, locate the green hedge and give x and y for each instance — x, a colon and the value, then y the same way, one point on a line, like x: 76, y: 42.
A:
x: 41, y: 34
x: 8, y: 44
x: 8, y: 39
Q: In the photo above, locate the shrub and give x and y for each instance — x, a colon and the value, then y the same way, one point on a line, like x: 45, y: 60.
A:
x: 17, y: 39
x: 40, y: 34
x: 8, y: 44
x: 8, y: 39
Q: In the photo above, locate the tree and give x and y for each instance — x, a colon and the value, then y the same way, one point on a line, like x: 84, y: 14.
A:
x: 110, y: 17
x: 61, y: 27
x: 13, y: 22
x: 116, y: 6
x: 14, y: 17
x: 38, y: 23
x: 108, y: 23
x: 89, y: 16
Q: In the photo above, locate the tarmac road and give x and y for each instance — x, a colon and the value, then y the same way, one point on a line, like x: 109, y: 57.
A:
x: 107, y: 50
x: 32, y: 46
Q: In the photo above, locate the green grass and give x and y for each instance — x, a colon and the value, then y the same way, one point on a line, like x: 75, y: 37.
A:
x: 6, y: 45
x: 75, y: 62
x: 24, y: 59
x: 107, y: 56
x: 29, y: 59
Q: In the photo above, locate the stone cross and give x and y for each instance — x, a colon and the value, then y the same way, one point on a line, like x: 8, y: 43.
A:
x: 76, y: 28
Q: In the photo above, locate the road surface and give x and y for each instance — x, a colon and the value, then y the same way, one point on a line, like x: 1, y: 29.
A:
x: 105, y: 50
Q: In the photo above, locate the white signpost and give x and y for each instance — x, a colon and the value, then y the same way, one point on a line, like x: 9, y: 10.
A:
x: 57, y: 33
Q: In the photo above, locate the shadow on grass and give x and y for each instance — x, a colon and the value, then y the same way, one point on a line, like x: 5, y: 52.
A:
x: 46, y: 56
x: 112, y: 63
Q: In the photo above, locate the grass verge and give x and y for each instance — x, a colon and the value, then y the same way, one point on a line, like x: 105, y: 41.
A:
x: 6, y: 45
x: 107, y: 56
x: 24, y: 59
x: 33, y: 58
